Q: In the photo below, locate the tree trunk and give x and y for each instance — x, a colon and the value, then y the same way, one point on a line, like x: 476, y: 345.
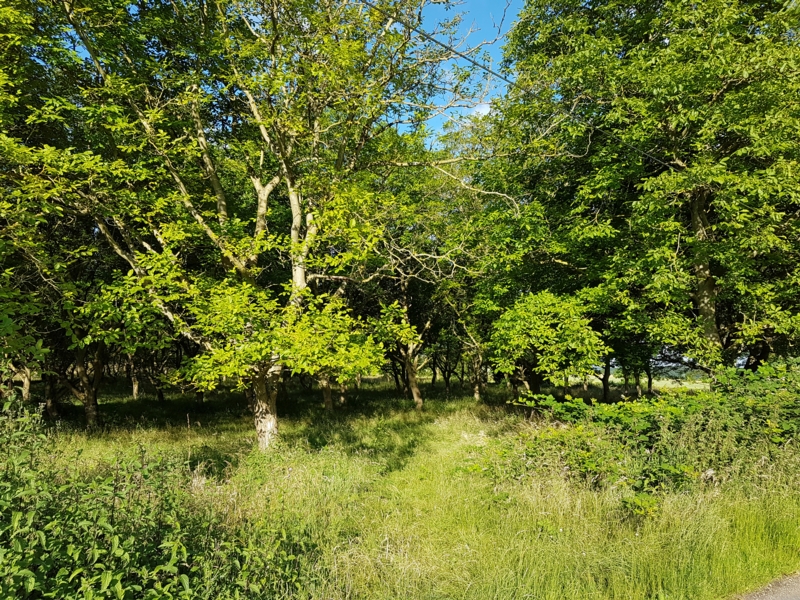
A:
x: 358, y: 381
x: 159, y: 394
x: 342, y: 394
x: 91, y: 409
x: 300, y: 241
x: 411, y: 374
x: 649, y: 371
x: 534, y: 382
x: 477, y: 376
x: 607, y: 379
x: 265, y: 410
x: 705, y: 291
x: 325, y: 385
x: 25, y: 373
x: 50, y: 398
x: 433, y: 372
x: 396, y: 376
x: 88, y: 386
x: 638, y: 382
x: 759, y: 354
x: 130, y: 367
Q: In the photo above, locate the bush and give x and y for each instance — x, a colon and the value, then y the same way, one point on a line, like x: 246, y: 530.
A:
x: 128, y: 530
x: 672, y: 442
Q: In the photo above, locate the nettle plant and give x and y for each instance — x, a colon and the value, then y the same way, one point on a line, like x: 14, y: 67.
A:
x: 131, y: 529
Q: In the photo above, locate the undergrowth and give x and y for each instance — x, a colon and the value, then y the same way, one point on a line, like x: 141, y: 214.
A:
x: 689, y: 495
x: 128, y: 528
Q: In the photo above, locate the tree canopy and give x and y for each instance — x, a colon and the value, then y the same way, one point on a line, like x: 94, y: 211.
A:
x: 238, y: 191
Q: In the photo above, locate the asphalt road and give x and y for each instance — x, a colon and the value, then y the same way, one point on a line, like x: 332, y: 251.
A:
x: 787, y: 588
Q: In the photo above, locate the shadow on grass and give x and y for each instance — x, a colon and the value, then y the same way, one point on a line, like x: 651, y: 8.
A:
x: 216, y: 432
x: 377, y: 422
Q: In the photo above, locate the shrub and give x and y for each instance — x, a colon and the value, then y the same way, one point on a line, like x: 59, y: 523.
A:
x: 671, y: 442
x: 127, y: 530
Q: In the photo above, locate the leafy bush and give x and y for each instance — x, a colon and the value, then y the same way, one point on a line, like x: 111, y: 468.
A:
x: 128, y: 530
x: 671, y: 442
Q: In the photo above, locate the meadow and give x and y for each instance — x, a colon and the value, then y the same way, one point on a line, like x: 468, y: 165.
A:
x: 462, y: 500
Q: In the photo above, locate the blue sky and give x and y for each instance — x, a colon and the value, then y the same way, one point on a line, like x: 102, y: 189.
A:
x: 483, y: 16
x: 479, y: 14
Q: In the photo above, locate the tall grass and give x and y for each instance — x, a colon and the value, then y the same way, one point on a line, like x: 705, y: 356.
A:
x: 389, y: 503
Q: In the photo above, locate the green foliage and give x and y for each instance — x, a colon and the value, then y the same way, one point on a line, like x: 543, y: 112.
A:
x: 676, y: 441
x: 549, y: 332
x: 129, y: 529
x: 672, y: 187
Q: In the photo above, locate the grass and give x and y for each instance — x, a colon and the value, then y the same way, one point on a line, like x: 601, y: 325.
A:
x: 396, y: 506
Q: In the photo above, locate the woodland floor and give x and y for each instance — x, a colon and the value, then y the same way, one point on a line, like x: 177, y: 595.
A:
x: 395, y: 504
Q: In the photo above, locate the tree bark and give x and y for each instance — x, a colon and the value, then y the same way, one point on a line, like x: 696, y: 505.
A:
x: 413, y: 384
x: 265, y: 409
x: 648, y: 371
x: 705, y: 291
x: 477, y: 363
x: 759, y: 354
x: 91, y: 409
x: 396, y: 376
x: 50, y: 396
x: 607, y: 379
x: 88, y: 386
x: 534, y: 382
x: 342, y: 394
x: 325, y: 385
x: 25, y: 373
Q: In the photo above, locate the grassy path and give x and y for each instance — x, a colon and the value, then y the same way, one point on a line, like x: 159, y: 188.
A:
x: 396, y: 510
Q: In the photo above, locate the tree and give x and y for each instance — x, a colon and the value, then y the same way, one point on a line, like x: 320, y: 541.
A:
x: 207, y: 144
x: 671, y: 181
x: 544, y: 336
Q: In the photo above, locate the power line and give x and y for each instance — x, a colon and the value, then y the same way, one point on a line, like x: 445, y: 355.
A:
x: 511, y: 83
